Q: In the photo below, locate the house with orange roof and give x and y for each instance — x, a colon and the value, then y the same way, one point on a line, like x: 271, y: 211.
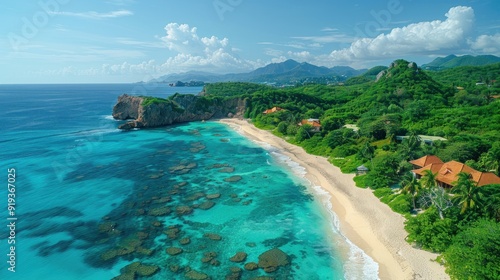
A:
x: 447, y: 173
x: 433, y: 167
x: 315, y: 123
x: 272, y: 110
x: 426, y: 160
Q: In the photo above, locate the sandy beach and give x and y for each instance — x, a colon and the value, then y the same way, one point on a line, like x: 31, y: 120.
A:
x: 364, y: 220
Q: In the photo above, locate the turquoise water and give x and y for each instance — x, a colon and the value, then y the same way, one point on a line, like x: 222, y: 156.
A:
x: 91, y: 199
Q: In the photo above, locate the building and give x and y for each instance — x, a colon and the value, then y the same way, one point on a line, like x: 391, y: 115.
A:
x: 315, y: 123
x: 447, y: 173
x: 424, y: 161
x: 424, y: 138
x: 362, y: 170
x: 272, y: 110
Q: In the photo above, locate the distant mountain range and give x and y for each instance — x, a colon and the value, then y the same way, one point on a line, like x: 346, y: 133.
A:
x: 287, y: 72
x: 452, y: 61
x: 293, y: 72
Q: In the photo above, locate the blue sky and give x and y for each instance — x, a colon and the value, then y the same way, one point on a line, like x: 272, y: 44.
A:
x: 70, y: 41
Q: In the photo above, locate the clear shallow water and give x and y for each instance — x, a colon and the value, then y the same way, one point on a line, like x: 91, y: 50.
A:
x: 91, y: 199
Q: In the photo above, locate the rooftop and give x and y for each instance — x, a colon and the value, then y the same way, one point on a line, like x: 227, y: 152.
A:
x: 426, y: 160
x: 448, y: 172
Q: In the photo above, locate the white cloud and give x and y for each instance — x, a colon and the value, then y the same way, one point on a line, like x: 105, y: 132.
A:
x: 95, y: 15
x: 413, y: 39
x: 489, y: 44
x: 329, y: 38
x: 300, y: 56
x: 201, y: 53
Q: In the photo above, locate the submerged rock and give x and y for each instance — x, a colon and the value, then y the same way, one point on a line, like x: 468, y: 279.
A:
x: 239, y: 257
x: 183, y: 210
x: 213, y: 236
x: 208, y: 257
x: 173, y: 251
x: 173, y: 232
x: 195, y: 196
x: 251, y: 266
x: 233, y: 179
x: 227, y: 170
x: 213, y: 196
x: 139, y: 269
x: 206, y: 205
x: 107, y: 227
x: 185, y: 241
x: 235, y: 273
x: 272, y: 259
x: 144, y: 251
x: 160, y: 211
x: 195, y: 275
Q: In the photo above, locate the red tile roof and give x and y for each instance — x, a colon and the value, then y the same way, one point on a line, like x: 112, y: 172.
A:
x: 272, y: 110
x: 448, y: 173
x: 426, y: 160
x: 433, y: 167
x: 314, y: 123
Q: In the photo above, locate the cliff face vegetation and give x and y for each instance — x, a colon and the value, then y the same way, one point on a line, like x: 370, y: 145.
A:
x: 155, y: 112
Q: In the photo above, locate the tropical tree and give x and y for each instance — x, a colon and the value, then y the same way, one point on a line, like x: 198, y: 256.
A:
x: 491, y: 205
x: 411, y: 186
x: 428, y: 180
x: 368, y: 152
x: 413, y: 145
x: 466, y: 192
x: 475, y: 252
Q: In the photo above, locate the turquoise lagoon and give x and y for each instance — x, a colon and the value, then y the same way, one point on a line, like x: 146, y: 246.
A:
x: 91, y: 199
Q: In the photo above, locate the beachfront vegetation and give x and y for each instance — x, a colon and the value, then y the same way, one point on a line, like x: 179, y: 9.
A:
x: 359, y: 124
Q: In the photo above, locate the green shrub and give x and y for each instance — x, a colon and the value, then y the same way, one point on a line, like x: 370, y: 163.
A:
x: 149, y: 100
x: 430, y: 232
x: 360, y: 181
x: 382, y: 192
x: 401, y: 203
x: 475, y: 252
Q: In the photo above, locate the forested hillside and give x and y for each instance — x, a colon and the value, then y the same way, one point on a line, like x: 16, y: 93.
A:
x: 404, y: 101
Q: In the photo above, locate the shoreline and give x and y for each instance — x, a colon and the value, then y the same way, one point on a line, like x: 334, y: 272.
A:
x: 368, y: 223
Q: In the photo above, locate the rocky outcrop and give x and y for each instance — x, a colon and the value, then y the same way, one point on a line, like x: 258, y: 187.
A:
x: 155, y: 112
x: 127, y: 107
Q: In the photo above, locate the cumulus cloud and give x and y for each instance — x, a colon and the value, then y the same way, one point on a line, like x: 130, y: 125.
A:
x: 202, y: 53
x: 413, y: 39
x: 487, y: 44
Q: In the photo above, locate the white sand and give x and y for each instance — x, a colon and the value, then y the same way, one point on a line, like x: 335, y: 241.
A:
x: 368, y: 223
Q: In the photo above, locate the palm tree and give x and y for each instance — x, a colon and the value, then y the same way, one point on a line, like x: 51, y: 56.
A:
x: 428, y: 181
x: 368, y: 151
x: 413, y: 144
x: 411, y: 186
x: 467, y: 193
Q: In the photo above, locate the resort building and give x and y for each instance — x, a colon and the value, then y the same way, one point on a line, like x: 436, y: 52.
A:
x: 312, y: 122
x: 447, y: 173
x: 272, y: 110
x: 426, y: 160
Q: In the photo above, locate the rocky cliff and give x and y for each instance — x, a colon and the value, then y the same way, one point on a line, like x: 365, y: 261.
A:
x: 155, y: 112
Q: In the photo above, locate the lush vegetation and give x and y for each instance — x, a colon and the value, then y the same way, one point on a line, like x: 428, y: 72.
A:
x: 148, y: 100
x: 360, y: 121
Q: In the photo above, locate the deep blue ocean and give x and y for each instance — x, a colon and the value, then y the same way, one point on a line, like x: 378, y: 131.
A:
x: 92, y: 202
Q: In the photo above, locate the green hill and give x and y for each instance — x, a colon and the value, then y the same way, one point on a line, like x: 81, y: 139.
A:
x: 452, y: 61
x: 359, y: 124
